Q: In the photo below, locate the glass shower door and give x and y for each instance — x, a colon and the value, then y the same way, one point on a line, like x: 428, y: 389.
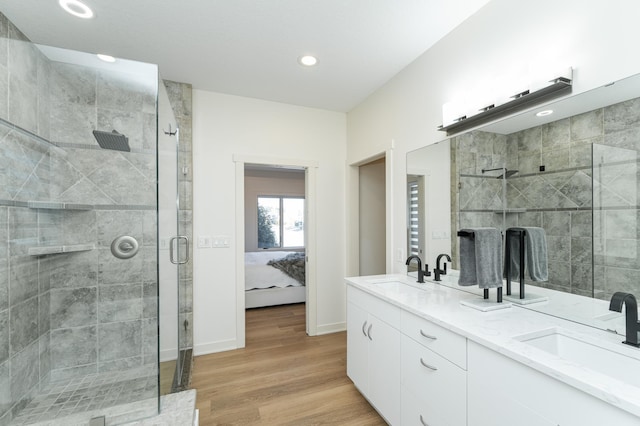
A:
x: 616, y: 224
x: 171, y: 253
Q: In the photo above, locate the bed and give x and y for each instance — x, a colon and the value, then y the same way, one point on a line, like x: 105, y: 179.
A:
x: 274, y: 278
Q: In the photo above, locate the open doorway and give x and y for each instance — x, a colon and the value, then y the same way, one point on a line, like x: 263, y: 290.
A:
x: 372, y: 217
x: 274, y: 258
x: 310, y: 170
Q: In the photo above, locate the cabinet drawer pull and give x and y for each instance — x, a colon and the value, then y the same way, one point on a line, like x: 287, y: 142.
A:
x: 422, y: 421
x: 430, y: 367
x: 369, y: 331
x: 364, y: 325
x: 427, y: 335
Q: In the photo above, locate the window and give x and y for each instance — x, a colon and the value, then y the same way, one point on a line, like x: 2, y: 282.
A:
x: 416, y: 225
x: 280, y: 222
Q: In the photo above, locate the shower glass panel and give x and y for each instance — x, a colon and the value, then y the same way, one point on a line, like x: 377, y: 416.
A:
x: 78, y: 263
x: 616, y: 231
x: 173, y: 250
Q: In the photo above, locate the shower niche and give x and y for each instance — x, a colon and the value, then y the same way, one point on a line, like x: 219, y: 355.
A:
x: 79, y: 327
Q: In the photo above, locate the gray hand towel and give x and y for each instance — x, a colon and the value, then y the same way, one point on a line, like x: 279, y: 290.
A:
x: 480, y: 258
x: 535, y: 254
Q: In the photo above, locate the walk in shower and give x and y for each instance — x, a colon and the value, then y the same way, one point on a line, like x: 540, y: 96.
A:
x: 86, y: 226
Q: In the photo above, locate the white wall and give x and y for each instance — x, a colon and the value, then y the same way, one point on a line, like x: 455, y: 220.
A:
x: 224, y: 126
x: 505, y: 38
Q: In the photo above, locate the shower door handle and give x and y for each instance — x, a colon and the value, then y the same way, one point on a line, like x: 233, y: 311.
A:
x: 171, y: 250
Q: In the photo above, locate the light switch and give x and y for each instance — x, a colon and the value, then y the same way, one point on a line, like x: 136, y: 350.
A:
x: 204, y: 241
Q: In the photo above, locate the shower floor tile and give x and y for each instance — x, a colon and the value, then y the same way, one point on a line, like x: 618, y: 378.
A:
x: 89, y: 393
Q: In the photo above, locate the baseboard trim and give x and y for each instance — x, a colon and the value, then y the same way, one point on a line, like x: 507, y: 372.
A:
x: 168, y: 354
x: 213, y: 347
x: 331, y: 328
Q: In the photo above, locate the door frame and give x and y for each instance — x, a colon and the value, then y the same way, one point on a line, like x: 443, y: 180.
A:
x: 311, y: 306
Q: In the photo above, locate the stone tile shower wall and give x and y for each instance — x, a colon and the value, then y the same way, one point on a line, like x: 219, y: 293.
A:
x: 24, y: 293
x: 72, y: 313
x: 559, y: 199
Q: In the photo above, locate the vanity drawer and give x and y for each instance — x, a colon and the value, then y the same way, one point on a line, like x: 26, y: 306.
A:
x: 418, y: 412
x: 449, y: 345
x: 432, y: 387
x: 382, y: 310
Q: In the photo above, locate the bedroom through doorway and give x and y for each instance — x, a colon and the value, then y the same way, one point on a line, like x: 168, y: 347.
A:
x: 274, y: 225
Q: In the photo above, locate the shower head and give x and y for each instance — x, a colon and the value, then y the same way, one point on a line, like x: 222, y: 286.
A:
x: 112, y: 140
x: 507, y: 174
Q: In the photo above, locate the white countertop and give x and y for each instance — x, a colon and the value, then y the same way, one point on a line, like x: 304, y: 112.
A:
x: 497, y: 330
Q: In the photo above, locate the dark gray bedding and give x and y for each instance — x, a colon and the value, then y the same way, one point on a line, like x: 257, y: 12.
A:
x: 292, y: 264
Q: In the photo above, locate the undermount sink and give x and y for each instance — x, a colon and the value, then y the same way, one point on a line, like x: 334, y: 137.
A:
x: 386, y: 284
x: 610, y: 316
x: 617, y: 361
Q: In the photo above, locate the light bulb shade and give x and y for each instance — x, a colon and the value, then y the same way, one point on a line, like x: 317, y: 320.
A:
x: 308, y: 60
x: 76, y: 8
x: 460, y: 119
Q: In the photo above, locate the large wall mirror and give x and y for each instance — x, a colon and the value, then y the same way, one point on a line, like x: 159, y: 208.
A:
x: 574, y: 173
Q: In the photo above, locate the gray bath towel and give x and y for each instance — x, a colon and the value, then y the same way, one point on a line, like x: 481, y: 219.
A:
x: 480, y: 258
x: 535, y: 254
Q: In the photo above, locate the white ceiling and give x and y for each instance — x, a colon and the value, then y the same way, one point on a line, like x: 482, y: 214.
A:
x: 250, y: 47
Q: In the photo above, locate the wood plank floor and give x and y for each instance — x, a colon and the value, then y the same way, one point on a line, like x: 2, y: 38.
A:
x: 282, y: 377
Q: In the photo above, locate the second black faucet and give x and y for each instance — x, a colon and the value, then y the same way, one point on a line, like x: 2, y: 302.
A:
x: 437, y: 271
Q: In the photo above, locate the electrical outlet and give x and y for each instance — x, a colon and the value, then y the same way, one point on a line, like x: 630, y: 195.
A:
x: 221, y: 241
x: 399, y: 256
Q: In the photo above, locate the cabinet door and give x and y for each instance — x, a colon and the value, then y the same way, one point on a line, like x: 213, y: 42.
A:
x: 415, y: 413
x: 440, y: 385
x: 384, y: 369
x: 503, y: 392
x: 357, y: 347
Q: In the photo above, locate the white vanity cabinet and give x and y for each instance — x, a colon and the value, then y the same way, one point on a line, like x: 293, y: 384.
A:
x: 373, y: 351
x: 434, y: 377
x: 418, y: 371
x: 503, y: 392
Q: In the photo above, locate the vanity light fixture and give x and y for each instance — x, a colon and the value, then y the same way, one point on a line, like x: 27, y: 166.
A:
x: 106, y: 58
x: 307, y: 60
x: 525, y: 99
x: 76, y: 8
x: 544, y: 113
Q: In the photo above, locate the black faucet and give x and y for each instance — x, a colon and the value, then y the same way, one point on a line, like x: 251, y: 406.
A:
x: 631, y: 315
x: 437, y: 271
x: 420, y: 271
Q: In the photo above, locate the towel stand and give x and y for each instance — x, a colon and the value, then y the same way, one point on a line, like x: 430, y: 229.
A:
x: 521, y: 233
x: 471, y: 235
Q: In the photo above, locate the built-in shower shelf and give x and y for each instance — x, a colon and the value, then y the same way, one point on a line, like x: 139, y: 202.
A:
x: 510, y: 211
x: 47, y: 250
x: 58, y: 206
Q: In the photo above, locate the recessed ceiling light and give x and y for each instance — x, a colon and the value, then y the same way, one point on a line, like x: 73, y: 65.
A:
x: 76, y: 8
x: 106, y: 58
x: 544, y: 113
x: 307, y: 60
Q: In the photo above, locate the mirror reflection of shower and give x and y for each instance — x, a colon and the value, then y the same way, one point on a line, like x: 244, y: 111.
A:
x: 506, y: 173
